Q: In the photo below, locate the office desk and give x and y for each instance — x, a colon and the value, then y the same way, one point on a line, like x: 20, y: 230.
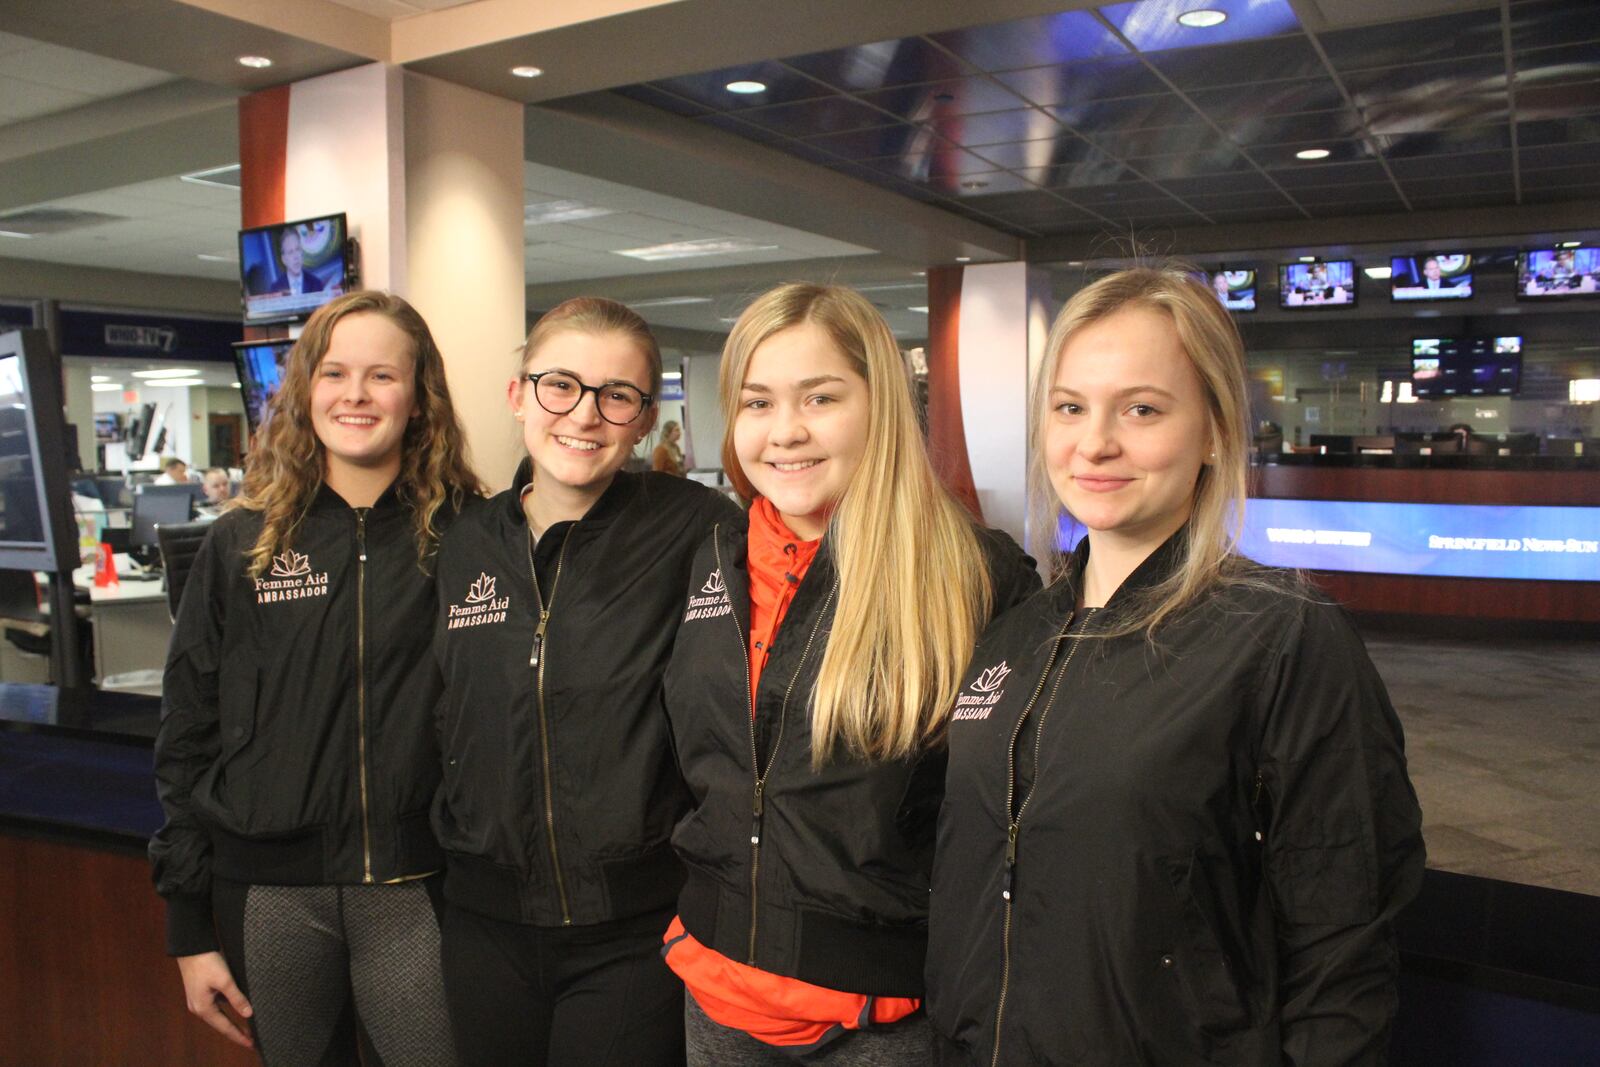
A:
x: 131, y: 628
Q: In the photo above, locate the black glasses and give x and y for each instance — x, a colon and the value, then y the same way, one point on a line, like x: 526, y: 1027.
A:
x: 559, y: 393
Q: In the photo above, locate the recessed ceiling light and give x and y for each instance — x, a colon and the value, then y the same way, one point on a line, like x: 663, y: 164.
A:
x: 14, y: 233
x: 1202, y: 18
x: 527, y: 72
x: 217, y: 257
x: 1377, y: 274
x: 975, y: 184
x: 170, y: 372
x: 746, y: 87
x: 963, y: 259
x: 99, y: 377
x: 1571, y: 244
x: 177, y: 381
x: 919, y: 273
x: 1074, y: 262
x: 236, y: 385
x: 105, y: 387
x: 1312, y: 153
x: 918, y: 310
x: 713, y: 246
x: 1308, y: 259
x: 549, y: 211
x: 255, y: 62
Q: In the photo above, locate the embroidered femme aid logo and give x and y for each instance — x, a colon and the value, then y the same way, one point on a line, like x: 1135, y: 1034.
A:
x: 984, y: 693
x: 290, y: 578
x: 480, y: 607
x: 712, y: 601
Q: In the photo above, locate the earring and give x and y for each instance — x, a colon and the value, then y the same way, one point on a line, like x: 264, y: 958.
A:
x: 518, y: 415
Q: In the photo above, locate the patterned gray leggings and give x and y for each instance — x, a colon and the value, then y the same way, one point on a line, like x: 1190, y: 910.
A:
x: 328, y: 968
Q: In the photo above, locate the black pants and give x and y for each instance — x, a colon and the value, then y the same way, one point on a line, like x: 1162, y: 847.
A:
x: 572, y: 996
x: 333, y: 968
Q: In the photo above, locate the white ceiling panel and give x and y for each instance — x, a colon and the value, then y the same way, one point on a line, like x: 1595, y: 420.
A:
x: 41, y: 79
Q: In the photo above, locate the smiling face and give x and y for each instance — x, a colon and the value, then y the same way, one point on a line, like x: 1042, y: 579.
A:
x: 580, y: 450
x: 363, y: 394
x: 801, y: 427
x: 1127, y: 430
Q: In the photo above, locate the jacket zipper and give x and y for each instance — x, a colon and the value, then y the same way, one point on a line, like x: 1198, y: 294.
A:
x: 1014, y: 824
x: 757, y: 801
x: 361, y: 689
x: 536, y: 660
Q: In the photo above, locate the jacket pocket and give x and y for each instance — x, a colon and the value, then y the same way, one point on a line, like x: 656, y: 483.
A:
x: 1209, y: 974
x: 237, y: 711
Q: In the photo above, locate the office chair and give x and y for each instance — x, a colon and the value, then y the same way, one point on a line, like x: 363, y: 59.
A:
x: 179, y: 542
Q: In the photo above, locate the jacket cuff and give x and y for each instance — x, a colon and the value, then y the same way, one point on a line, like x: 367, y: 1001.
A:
x: 190, y: 930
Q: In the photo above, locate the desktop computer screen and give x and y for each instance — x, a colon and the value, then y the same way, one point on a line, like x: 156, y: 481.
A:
x: 159, y: 505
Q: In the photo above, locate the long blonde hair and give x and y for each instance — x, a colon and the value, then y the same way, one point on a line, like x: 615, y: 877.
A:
x: 914, y: 591
x: 286, y: 466
x: 1209, y: 552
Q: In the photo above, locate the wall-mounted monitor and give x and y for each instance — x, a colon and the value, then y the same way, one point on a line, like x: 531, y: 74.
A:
x: 292, y: 268
x: 1558, y: 273
x: 1431, y: 276
x: 1235, y: 288
x: 1474, y: 366
x: 37, y: 529
x: 1330, y: 283
x: 260, y: 367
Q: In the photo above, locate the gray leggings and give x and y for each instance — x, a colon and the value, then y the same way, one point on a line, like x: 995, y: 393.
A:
x: 907, y: 1043
x: 330, y: 968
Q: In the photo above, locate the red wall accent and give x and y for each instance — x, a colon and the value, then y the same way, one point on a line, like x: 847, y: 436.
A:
x: 947, y: 436
x: 263, y: 156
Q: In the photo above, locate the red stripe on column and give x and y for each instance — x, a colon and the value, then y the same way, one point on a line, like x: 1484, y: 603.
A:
x: 947, y: 436
x: 263, y: 156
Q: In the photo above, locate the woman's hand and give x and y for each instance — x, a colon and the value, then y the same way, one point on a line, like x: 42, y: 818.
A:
x: 207, y: 982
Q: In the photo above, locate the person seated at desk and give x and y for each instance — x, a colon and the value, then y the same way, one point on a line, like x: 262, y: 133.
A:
x: 174, y: 471
x: 218, y: 489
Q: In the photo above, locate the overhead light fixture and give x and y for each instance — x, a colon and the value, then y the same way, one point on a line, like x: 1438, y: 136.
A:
x: 919, y: 310
x: 669, y: 301
x: 1583, y: 391
x: 236, y: 385
x: 1571, y: 244
x: 1312, y: 153
x: 526, y: 72
x: 1202, y: 18
x: 975, y: 183
x: 550, y: 211
x: 963, y: 259
x: 221, y: 177
x: 176, y: 381
x: 171, y: 372
x: 255, y: 62
x: 746, y: 87
x: 1308, y: 259
x: 105, y: 387
x: 99, y: 377
x: 713, y: 246
x: 1377, y: 274
x: 14, y: 233
x: 217, y: 257
x: 919, y: 273
x: 671, y: 375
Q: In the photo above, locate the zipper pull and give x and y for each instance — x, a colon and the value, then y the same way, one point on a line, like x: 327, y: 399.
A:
x: 361, y: 534
x: 538, y: 639
x: 1255, y: 803
x: 1011, y: 861
x: 756, y: 806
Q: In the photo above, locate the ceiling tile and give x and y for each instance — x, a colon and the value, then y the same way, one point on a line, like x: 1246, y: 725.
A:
x: 870, y: 143
x: 1579, y: 193
x: 939, y: 162
x: 1549, y: 23
x: 1241, y: 182
x: 1268, y: 98
x: 1235, y: 64
x: 1089, y: 173
x: 999, y: 127
x: 1566, y: 155
x: 1220, y: 161
x: 1420, y: 81
x: 1222, y: 199
x: 79, y: 72
x: 1074, y: 83
x: 1560, y: 131
x: 1381, y: 193
x: 1035, y: 42
x: 1426, y: 113
x: 1283, y: 155
x: 1541, y: 101
x: 1126, y: 113
x: 1499, y: 184
x: 1043, y: 152
x: 1455, y: 140
x: 646, y: 94
x: 1267, y: 214
x: 865, y: 67
x: 976, y: 188
x: 710, y: 89
x: 1159, y: 141
x: 1289, y: 129
x: 1452, y: 36
x: 936, y: 100
x: 1455, y: 201
x: 809, y: 118
x: 1152, y: 25
x: 1554, y: 66
x: 1407, y: 168
x: 1312, y: 175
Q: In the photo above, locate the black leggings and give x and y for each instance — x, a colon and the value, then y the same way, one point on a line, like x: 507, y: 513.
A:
x: 330, y: 969
x: 574, y: 996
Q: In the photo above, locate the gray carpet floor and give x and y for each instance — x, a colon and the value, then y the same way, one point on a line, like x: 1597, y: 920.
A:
x: 1503, y: 744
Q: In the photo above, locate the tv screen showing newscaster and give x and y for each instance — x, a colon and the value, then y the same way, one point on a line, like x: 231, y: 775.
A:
x: 1321, y: 284
x: 1558, y: 273
x: 290, y: 269
x: 1235, y: 288
x: 1441, y: 276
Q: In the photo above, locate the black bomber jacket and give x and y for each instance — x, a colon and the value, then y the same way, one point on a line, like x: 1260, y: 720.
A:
x: 820, y: 875
x: 1182, y: 853
x: 295, y: 745
x: 560, y: 790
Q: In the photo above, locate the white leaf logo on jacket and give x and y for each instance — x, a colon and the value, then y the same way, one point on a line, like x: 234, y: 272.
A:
x: 290, y: 564
x: 713, y: 584
x: 482, y: 589
x: 990, y: 679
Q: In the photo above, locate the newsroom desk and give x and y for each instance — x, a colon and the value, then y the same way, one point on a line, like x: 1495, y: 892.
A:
x: 1492, y: 973
x: 131, y: 625
x: 1548, y: 481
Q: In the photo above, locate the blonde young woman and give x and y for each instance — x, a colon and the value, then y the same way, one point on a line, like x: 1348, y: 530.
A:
x: 558, y: 602
x: 296, y: 758
x: 823, y: 638
x: 1178, y: 825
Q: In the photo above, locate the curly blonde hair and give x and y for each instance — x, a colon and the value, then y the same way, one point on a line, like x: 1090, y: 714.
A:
x: 286, y: 466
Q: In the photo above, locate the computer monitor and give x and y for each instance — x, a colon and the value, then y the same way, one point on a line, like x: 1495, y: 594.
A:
x: 159, y: 505
x: 114, y: 492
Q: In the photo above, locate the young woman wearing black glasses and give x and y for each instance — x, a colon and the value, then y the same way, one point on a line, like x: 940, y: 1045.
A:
x: 558, y: 603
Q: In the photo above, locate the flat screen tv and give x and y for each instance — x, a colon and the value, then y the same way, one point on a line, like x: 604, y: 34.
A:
x: 37, y: 529
x: 290, y: 269
x: 1558, y: 273
x: 1471, y: 366
x: 260, y: 367
x: 1330, y: 283
x: 1430, y: 276
x: 1235, y: 288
